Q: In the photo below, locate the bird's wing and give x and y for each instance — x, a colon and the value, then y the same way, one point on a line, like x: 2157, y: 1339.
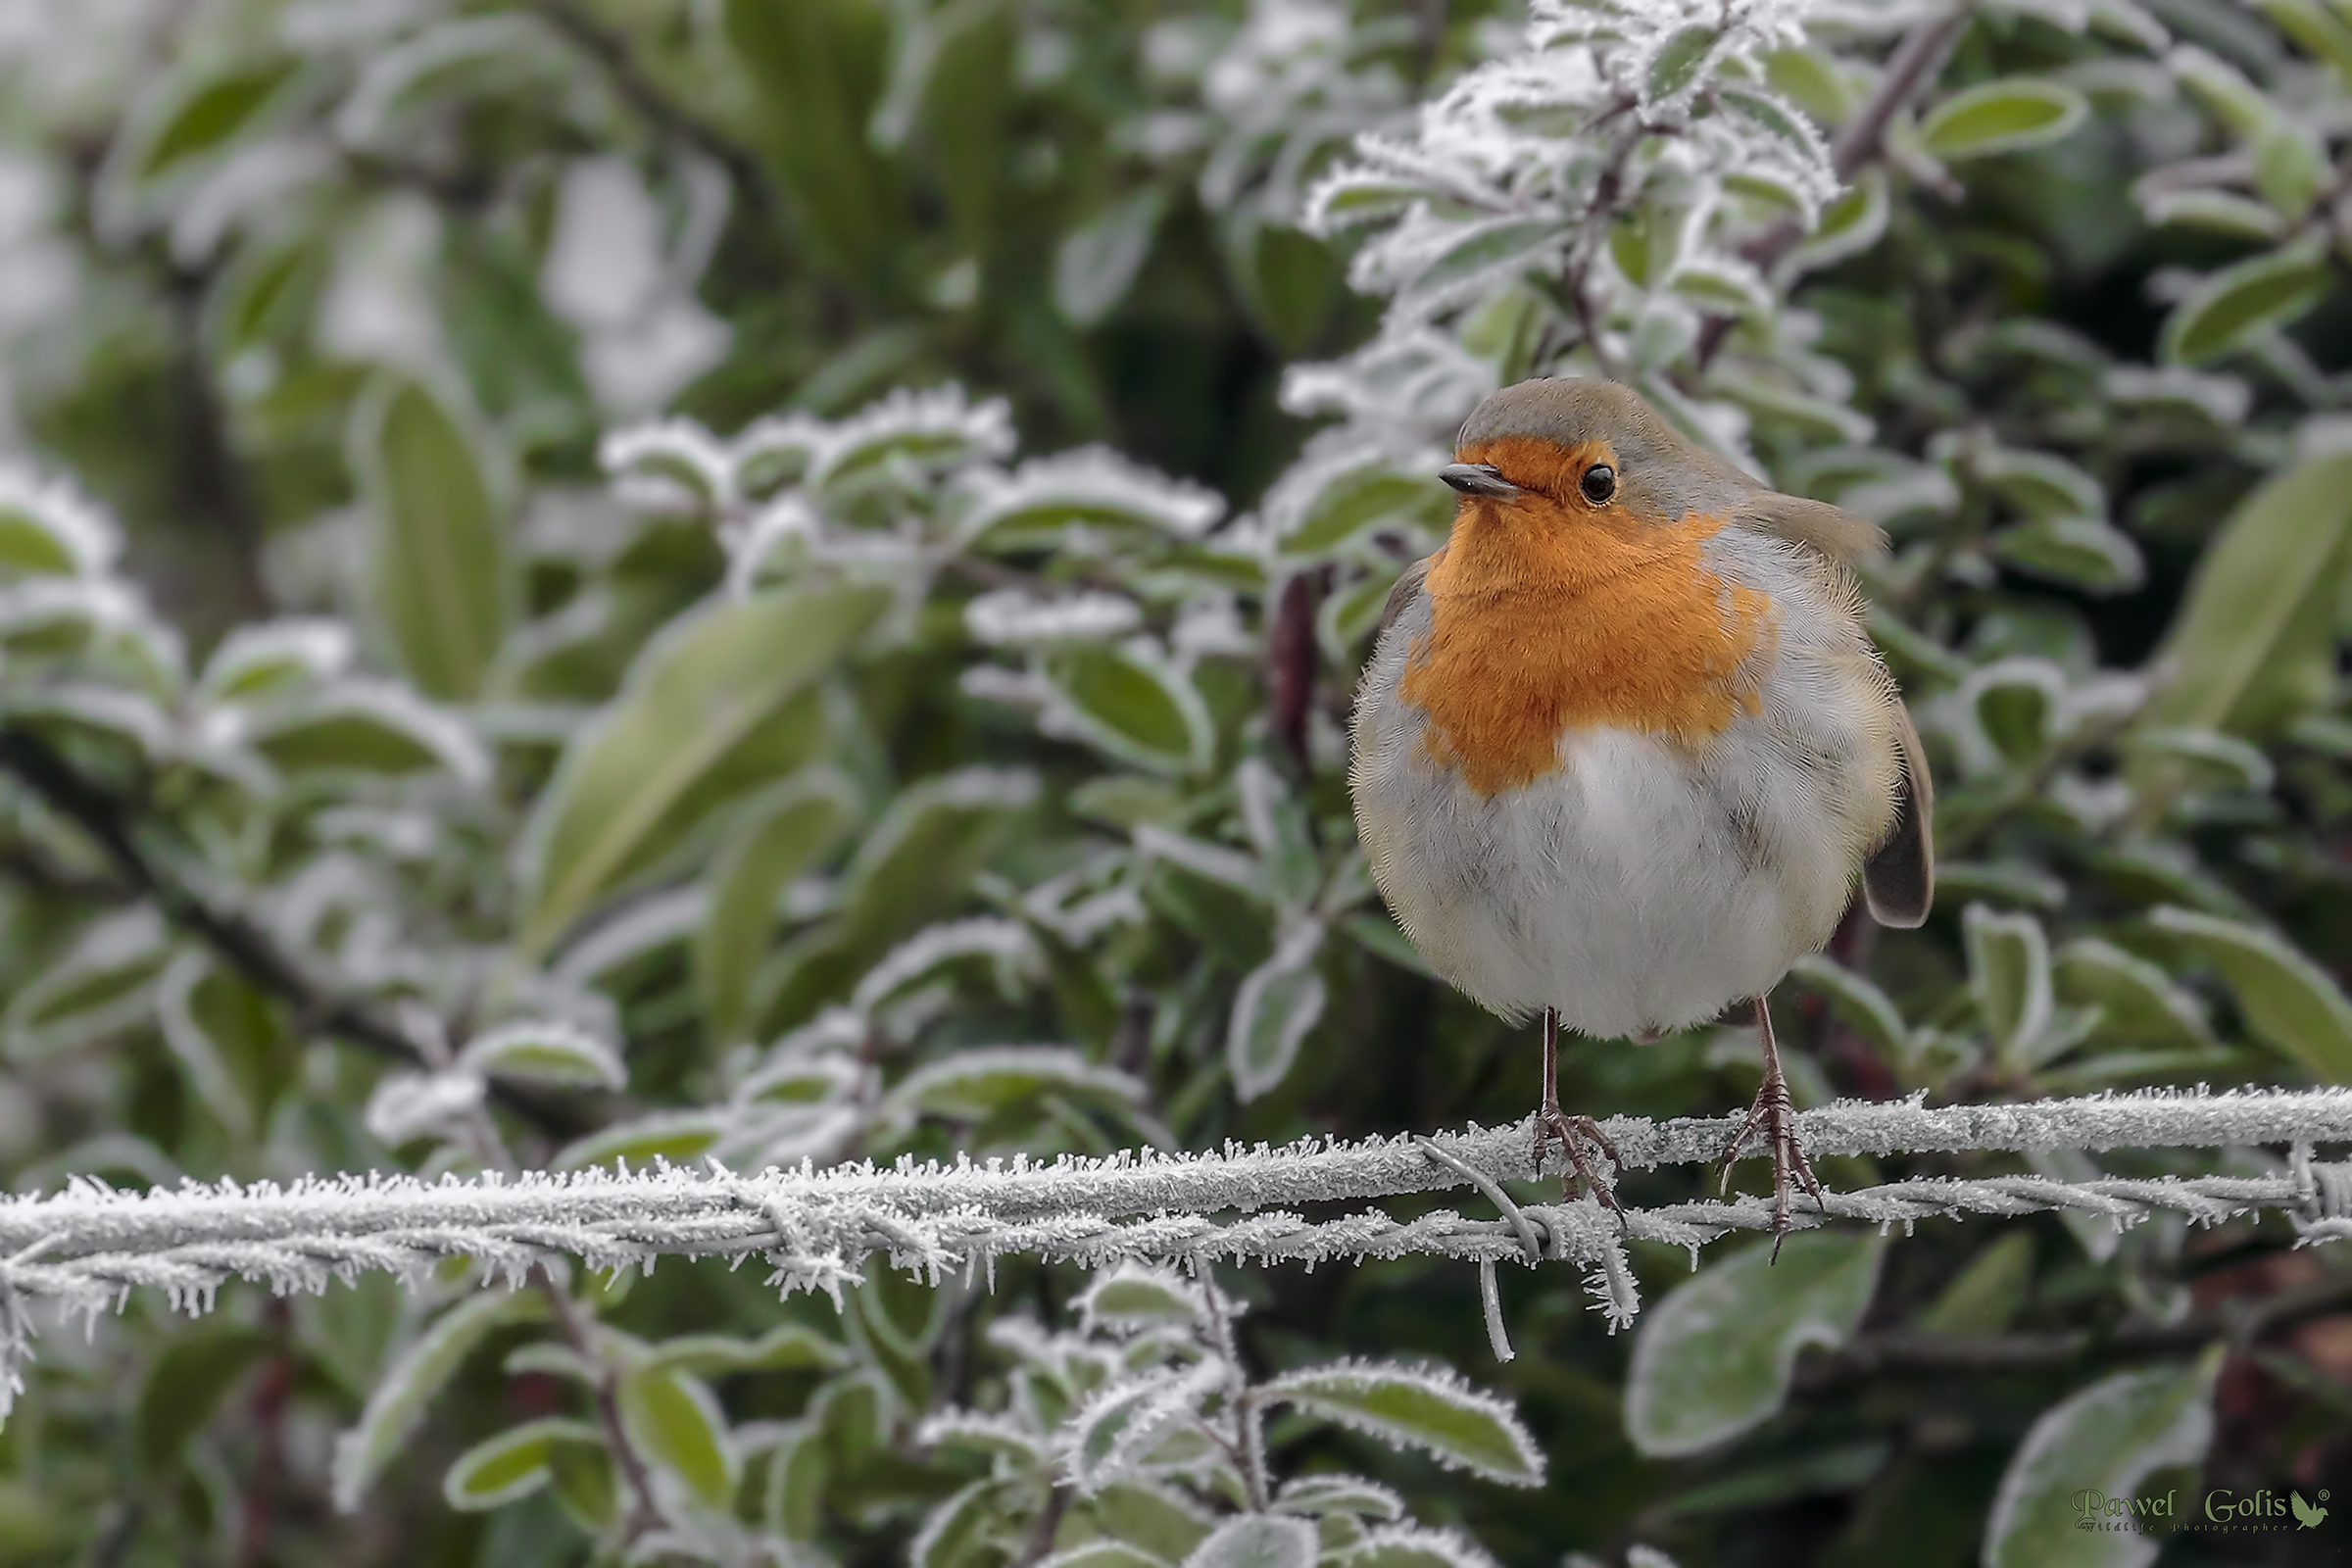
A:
x: 1814, y: 524
x: 1899, y: 879
x: 1402, y: 594
x: 2305, y: 1513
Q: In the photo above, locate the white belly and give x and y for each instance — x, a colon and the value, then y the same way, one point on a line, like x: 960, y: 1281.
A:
x: 1641, y: 886
x: 1627, y: 890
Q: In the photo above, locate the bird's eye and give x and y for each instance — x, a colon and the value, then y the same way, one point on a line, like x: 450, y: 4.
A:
x: 1599, y: 483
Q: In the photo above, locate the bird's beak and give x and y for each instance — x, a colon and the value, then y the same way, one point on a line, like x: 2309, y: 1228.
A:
x: 1478, y: 480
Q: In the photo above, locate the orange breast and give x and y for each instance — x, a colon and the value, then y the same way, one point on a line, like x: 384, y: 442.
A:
x: 1548, y: 618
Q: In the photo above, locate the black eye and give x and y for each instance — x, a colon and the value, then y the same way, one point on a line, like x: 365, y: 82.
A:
x: 1599, y: 483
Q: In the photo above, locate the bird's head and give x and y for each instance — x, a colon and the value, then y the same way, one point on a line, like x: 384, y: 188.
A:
x: 1570, y: 450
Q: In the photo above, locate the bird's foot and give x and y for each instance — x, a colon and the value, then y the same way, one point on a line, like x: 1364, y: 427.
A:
x: 1771, y: 1121
x: 1577, y: 1133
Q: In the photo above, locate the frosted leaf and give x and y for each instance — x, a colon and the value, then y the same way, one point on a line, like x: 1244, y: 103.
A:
x: 50, y: 525
x: 1006, y: 943
x: 1121, y: 1425
x: 407, y: 1106
x: 669, y: 464
x: 940, y: 430
x: 272, y: 654
x: 1209, y: 624
x: 545, y: 1050
x: 1092, y: 486
x: 1017, y: 619
x: 1132, y: 1297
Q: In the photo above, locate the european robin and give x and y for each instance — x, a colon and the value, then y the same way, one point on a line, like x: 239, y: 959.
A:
x: 1623, y: 746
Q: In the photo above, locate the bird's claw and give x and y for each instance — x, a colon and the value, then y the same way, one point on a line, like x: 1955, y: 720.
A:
x: 1573, y: 1132
x: 1772, y: 1120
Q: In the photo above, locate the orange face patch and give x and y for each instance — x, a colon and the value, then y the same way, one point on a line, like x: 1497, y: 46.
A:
x: 1548, y: 613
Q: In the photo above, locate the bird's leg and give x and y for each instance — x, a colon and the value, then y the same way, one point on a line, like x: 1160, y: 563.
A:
x: 1774, y: 1119
x: 1572, y: 1131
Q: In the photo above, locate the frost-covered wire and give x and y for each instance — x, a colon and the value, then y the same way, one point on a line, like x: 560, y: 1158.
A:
x: 87, y: 1246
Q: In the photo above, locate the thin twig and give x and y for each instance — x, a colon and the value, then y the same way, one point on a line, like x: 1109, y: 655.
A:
x: 63, y: 789
x: 1860, y: 142
x: 1249, y: 1422
x: 645, y: 1512
x: 319, y: 1008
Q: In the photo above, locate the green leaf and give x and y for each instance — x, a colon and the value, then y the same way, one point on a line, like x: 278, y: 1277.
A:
x: 1863, y: 1008
x: 677, y: 1136
x: 1679, y: 59
x: 48, y: 531
x: 1277, y: 1004
x: 787, y: 1347
x: 1258, y: 1540
x: 2105, y: 1441
x: 2076, y: 551
x: 1714, y: 1360
x: 2289, y: 1003
x: 515, y: 1463
x: 2039, y: 484
x: 672, y: 1420
x: 199, y: 113
x: 190, y: 1379
x: 1103, y: 1553
x: 1323, y: 1494
x: 1123, y: 1424
x: 548, y: 1052
x: 1489, y: 249
x: 919, y: 859
x: 436, y: 534
x: 397, y: 1406
x: 1776, y: 115
x: 1813, y: 79
x: 1134, y: 1297
x: 1357, y: 499
x: 818, y: 68
x: 503, y: 59
x: 585, y: 1485
x: 2245, y: 299
x: 1139, y: 709
x: 2012, y: 114
x: 229, y: 1039
x: 1984, y: 1295
x: 1850, y: 225
x: 364, y: 728
x: 703, y: 717
x: 2014, y: 702
x: 2321, y: 33
x: 1411, y: 1407
x: 1098, y: 260
x: 2009, y: 976
x: 978, y: 1083
x: 1157, y: 1519
x: 100, y: 985
x: 958, y: 1531
x: 778, y: 836
x: 2254, y: 640
x: 2136, y: 1001
x: 2206, y: 758
x: 2215, y: 211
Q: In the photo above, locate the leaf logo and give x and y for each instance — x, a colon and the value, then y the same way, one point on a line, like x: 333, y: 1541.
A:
x: 2306, y: 1516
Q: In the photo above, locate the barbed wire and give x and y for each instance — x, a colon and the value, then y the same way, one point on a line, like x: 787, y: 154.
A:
x: 85, y: 1247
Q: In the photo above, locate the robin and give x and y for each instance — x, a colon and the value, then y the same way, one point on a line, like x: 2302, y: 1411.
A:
x: 1622, y: 744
